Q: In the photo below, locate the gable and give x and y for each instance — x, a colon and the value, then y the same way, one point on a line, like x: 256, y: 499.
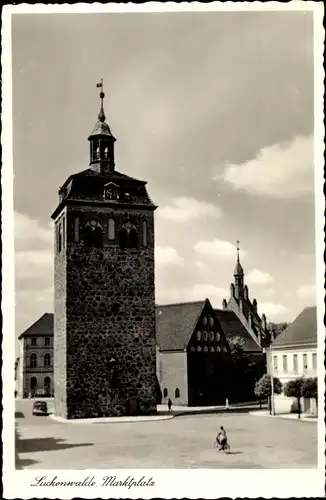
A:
x: 43, y: 326
x: 233, y: 327
x: 302, y: 330
x: 208, y: 335
x: 175, y: 324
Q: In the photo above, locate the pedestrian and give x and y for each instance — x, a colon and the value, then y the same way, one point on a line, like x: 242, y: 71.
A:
x: 169, y: 404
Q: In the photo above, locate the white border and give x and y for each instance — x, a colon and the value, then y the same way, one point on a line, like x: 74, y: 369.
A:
x: 169, y: 483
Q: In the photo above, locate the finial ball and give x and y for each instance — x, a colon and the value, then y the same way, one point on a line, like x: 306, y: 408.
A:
x: 102, y: 95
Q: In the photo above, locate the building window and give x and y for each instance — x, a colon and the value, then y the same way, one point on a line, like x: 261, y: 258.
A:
x: 47, y: 341
x: 63, y: 232
x: 165, y: 392
x: 212, y: 349
x: 198, y: 335
x: 218, y: 337
x: 93, y: 234
x: 128, y: 237
x: 144, y: 233
x: 33, y: 341
x: 285, y: 363
x: 47, y: 385
x: 295, y: 363
x: 314, y: 360
x: 205, y: 335
x: 212, y: 336
x: 33, y: 383
x: 33, y: 360
x: 211, y: 321
x: 275, y: 363
x: 199, y: 349
x: 76, y: 230
x: 218, y: 349
x: 204, y: 321
x: 111, y: 229
x: 59, y: 237
x: 47, y: 360
x: 305, y: 362
x: 177, y: 393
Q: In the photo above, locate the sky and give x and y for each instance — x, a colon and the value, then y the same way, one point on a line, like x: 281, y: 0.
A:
x: 214, y: 110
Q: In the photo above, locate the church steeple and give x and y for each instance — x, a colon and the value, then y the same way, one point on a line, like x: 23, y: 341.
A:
x: 238, y: 275
x: 102, y: 142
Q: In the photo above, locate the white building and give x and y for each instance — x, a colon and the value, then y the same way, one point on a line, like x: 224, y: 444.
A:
x: 294, y: 354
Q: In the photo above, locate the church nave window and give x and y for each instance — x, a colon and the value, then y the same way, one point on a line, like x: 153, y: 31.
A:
x: 76, y: 230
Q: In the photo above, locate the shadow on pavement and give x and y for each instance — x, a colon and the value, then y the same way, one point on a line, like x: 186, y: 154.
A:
x: 45, y: 444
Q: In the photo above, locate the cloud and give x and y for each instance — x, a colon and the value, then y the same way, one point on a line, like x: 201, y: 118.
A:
x: 269, y: 292
x: 33, y: 270
x: 306, y: 292
x: 167, y: 255
x: 257, y: 277
x: 194, y: 293
x: 272, y: 310
x: 278, y: 171
x: 217, y: 248
x: 184, y: 209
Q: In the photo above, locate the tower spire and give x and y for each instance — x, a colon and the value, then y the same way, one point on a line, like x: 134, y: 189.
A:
x: 238, y: 251
x: 101, y: 115
x: 102, y: 141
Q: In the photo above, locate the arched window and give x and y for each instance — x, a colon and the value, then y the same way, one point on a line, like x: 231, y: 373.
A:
x: 199, y: 349
x: 205, y: 335
x: 144, y: 233
x: 205, y: 348
x: 33, y: 360
x: 93, y: 234
x: 165, y: 393
x: 204, y: 321
x: 123, y: 238
x: 177, y: 393
x: 33, y: 383
x: 133, y: 236
x: 59, y: 237
x: 198, y: 335
x: 212, y: 349
x: 47, y: 360
x: 128, y: 237
x: 111, y: 229
x: 211, y: 321
x: 106, y: 152
x: 76, y: 230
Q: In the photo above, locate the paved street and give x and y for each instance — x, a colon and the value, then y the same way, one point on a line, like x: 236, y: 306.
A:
x: 182, y: 442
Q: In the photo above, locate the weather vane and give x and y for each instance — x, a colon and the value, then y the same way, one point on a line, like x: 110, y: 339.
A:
x: 101, y: 115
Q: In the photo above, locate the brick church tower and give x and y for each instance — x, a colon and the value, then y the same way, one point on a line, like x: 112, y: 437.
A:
x: 104, y: 326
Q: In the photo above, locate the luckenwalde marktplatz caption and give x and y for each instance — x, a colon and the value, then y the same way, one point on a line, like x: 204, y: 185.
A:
x: 127, y: 482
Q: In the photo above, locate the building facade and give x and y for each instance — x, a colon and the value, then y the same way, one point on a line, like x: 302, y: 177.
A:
x: 104, y: 319
x: 294, y: 354
x: 194, y: 364
x: 35, y: 367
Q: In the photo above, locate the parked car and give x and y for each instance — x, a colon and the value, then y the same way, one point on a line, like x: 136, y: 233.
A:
x: 40, y: 408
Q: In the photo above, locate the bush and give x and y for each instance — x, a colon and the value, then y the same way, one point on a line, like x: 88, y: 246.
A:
x: 263, y: 388
x: 310, y: 388
x: 293, y: 389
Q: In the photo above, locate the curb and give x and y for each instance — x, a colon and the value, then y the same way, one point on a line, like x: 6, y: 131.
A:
x: 110, y: 420
x: 285, y: 417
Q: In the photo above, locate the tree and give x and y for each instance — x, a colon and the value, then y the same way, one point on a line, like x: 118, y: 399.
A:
x: 276, y: 328
x: 293, y: 389
x: 263, y: 388
x: 244, y: 369
x: 310, y: 388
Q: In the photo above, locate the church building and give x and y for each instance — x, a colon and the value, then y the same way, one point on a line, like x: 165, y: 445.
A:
x: 104, y: 317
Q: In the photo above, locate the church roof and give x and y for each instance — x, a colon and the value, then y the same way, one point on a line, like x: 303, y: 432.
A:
x: 43, y: 326
x: 233, y: 327
x: 303, y: 330
x: 175, y: 323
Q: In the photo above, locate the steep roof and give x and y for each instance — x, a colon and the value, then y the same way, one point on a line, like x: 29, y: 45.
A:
x: 233, y: 327
x: 175, y: 324
x: 303, y: 330
x: 43, y: 326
